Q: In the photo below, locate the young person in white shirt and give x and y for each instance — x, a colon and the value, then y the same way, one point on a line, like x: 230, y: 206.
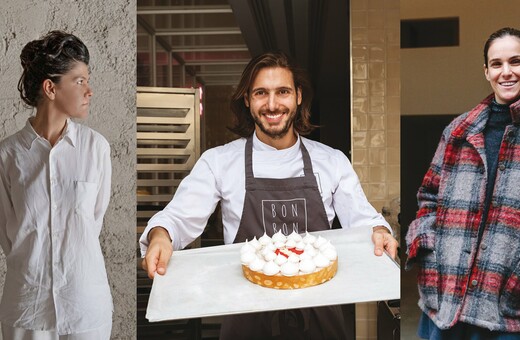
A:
x: 55, y: 179
x: 272, y: 161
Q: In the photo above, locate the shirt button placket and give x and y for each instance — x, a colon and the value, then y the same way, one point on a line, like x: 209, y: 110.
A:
x: 53, y: 230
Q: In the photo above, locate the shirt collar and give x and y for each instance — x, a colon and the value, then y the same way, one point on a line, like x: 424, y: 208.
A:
x: 71, y: 132
x: 258, y: 145
x: 29, y: 136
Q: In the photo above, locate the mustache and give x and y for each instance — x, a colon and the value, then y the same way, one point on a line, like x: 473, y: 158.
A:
x: 279, y: 111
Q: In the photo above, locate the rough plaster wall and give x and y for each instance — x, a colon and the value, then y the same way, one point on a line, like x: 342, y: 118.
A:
x: 108, y: 29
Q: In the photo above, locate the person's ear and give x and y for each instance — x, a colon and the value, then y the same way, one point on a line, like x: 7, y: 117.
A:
x: 299, y: 95
x: 246, y: 100
x: 486, y: 73
x: 49, y: 89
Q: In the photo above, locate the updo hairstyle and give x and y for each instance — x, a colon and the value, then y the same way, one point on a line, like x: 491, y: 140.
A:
x: 499, y: 34
x: 49, y: 57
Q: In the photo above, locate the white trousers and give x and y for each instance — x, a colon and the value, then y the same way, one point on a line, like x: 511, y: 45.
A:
x: 14, y: 333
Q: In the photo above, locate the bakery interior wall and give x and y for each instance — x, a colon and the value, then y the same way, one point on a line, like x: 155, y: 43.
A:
x: 439, y: 83
x: 108, y: 29
x: 358, y: 111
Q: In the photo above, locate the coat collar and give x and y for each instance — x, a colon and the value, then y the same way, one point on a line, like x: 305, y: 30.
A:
x: 476, y: 119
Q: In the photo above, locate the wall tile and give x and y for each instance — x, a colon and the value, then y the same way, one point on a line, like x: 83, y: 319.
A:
x: 393, y: 106
x: 376, y: 104
x: 376, y: 19
x: 360, y: 71
x: 359, y: 122
x: 376, y: 70
x: 359, y: 139
x: 376, y: 122
x: 377, y: 53
x: 358, y: 5
x: 360, y: 105
x: 393, y: 87
x: 376, y: 156
x: 376, y: 36
x: 376, y: 139
x: 376, y: 97
x: 359, y: 19
x: 360, y: 88
x: 377, y: 87
x: 359, y: 54
x: 359, y: 35
x: 377, y: 174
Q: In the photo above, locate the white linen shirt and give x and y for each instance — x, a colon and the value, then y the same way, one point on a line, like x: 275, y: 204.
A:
x: 52, y: 202
x: 219, y: 175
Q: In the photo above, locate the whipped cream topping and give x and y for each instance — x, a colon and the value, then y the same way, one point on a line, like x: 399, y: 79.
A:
x: 289, y: 269
x: 321, y: 261
x: 247, y: 258
x: 287, y: 255
x: 309, y: 239
x: 271, y: 268
x: 264, y: 240
x: 257, y: 265
x: 295, y: 237
x: 307, y: 266
x: 279, y: 237
x: 254, y: 243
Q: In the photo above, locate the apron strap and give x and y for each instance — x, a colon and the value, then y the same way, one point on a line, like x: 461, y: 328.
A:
x: 249, y: 162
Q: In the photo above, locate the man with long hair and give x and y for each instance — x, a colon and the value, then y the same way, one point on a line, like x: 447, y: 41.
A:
x: 272, y: 161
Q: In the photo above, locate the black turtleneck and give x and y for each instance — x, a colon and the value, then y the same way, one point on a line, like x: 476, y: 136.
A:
x: 499, y: 118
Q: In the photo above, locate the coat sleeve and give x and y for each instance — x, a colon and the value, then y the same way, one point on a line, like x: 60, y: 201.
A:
x: 421, y: 232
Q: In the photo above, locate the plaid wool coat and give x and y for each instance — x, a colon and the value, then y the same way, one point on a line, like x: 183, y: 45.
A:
x: 460, y: 280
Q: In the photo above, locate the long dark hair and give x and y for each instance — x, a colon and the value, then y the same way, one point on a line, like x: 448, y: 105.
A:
x: 498, y: 34
x: 243, y: 124
x: 49, y: 57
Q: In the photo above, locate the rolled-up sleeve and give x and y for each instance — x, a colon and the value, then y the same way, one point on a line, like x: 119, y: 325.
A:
x: 105, y: 180
x: 187, y: 214
x: 6, y: 208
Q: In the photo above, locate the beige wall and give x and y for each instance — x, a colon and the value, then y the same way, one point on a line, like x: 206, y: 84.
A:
x: 376, y: 98
x: 375, y: 114
x: 450, y: 80
x: 108, y: 29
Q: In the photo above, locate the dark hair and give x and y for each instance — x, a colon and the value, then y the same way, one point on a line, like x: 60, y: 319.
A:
x: 499, y: 34
x: 49, y: 57
x: 244, y: 125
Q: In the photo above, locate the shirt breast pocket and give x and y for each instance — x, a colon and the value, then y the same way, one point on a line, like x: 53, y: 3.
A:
x: 85, y: 198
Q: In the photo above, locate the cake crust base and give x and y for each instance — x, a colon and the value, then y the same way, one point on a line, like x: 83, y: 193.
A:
x: 291, y: 282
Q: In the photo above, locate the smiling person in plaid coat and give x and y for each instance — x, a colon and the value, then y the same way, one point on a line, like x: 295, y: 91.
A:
x: 466, y: 237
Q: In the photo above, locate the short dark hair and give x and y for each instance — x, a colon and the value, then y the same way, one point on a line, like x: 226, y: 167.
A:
x: 498, y: 34
x: 243, y: 124
x: 49, y: 57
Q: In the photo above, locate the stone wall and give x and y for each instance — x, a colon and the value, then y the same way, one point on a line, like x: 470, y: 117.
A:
x: 108, y: 29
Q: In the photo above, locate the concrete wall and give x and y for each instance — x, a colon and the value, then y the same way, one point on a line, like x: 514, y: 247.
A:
x: 450, y: 80
x: 108, y: 29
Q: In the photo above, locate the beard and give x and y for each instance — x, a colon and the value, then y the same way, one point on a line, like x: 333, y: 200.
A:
x: 275, y: 132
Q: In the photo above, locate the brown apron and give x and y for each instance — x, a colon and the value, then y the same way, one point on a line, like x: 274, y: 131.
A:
x: 283, y: 204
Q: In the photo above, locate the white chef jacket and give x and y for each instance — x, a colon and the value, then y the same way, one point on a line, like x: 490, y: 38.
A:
x: 219, y: 175
x: 52, y: 202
